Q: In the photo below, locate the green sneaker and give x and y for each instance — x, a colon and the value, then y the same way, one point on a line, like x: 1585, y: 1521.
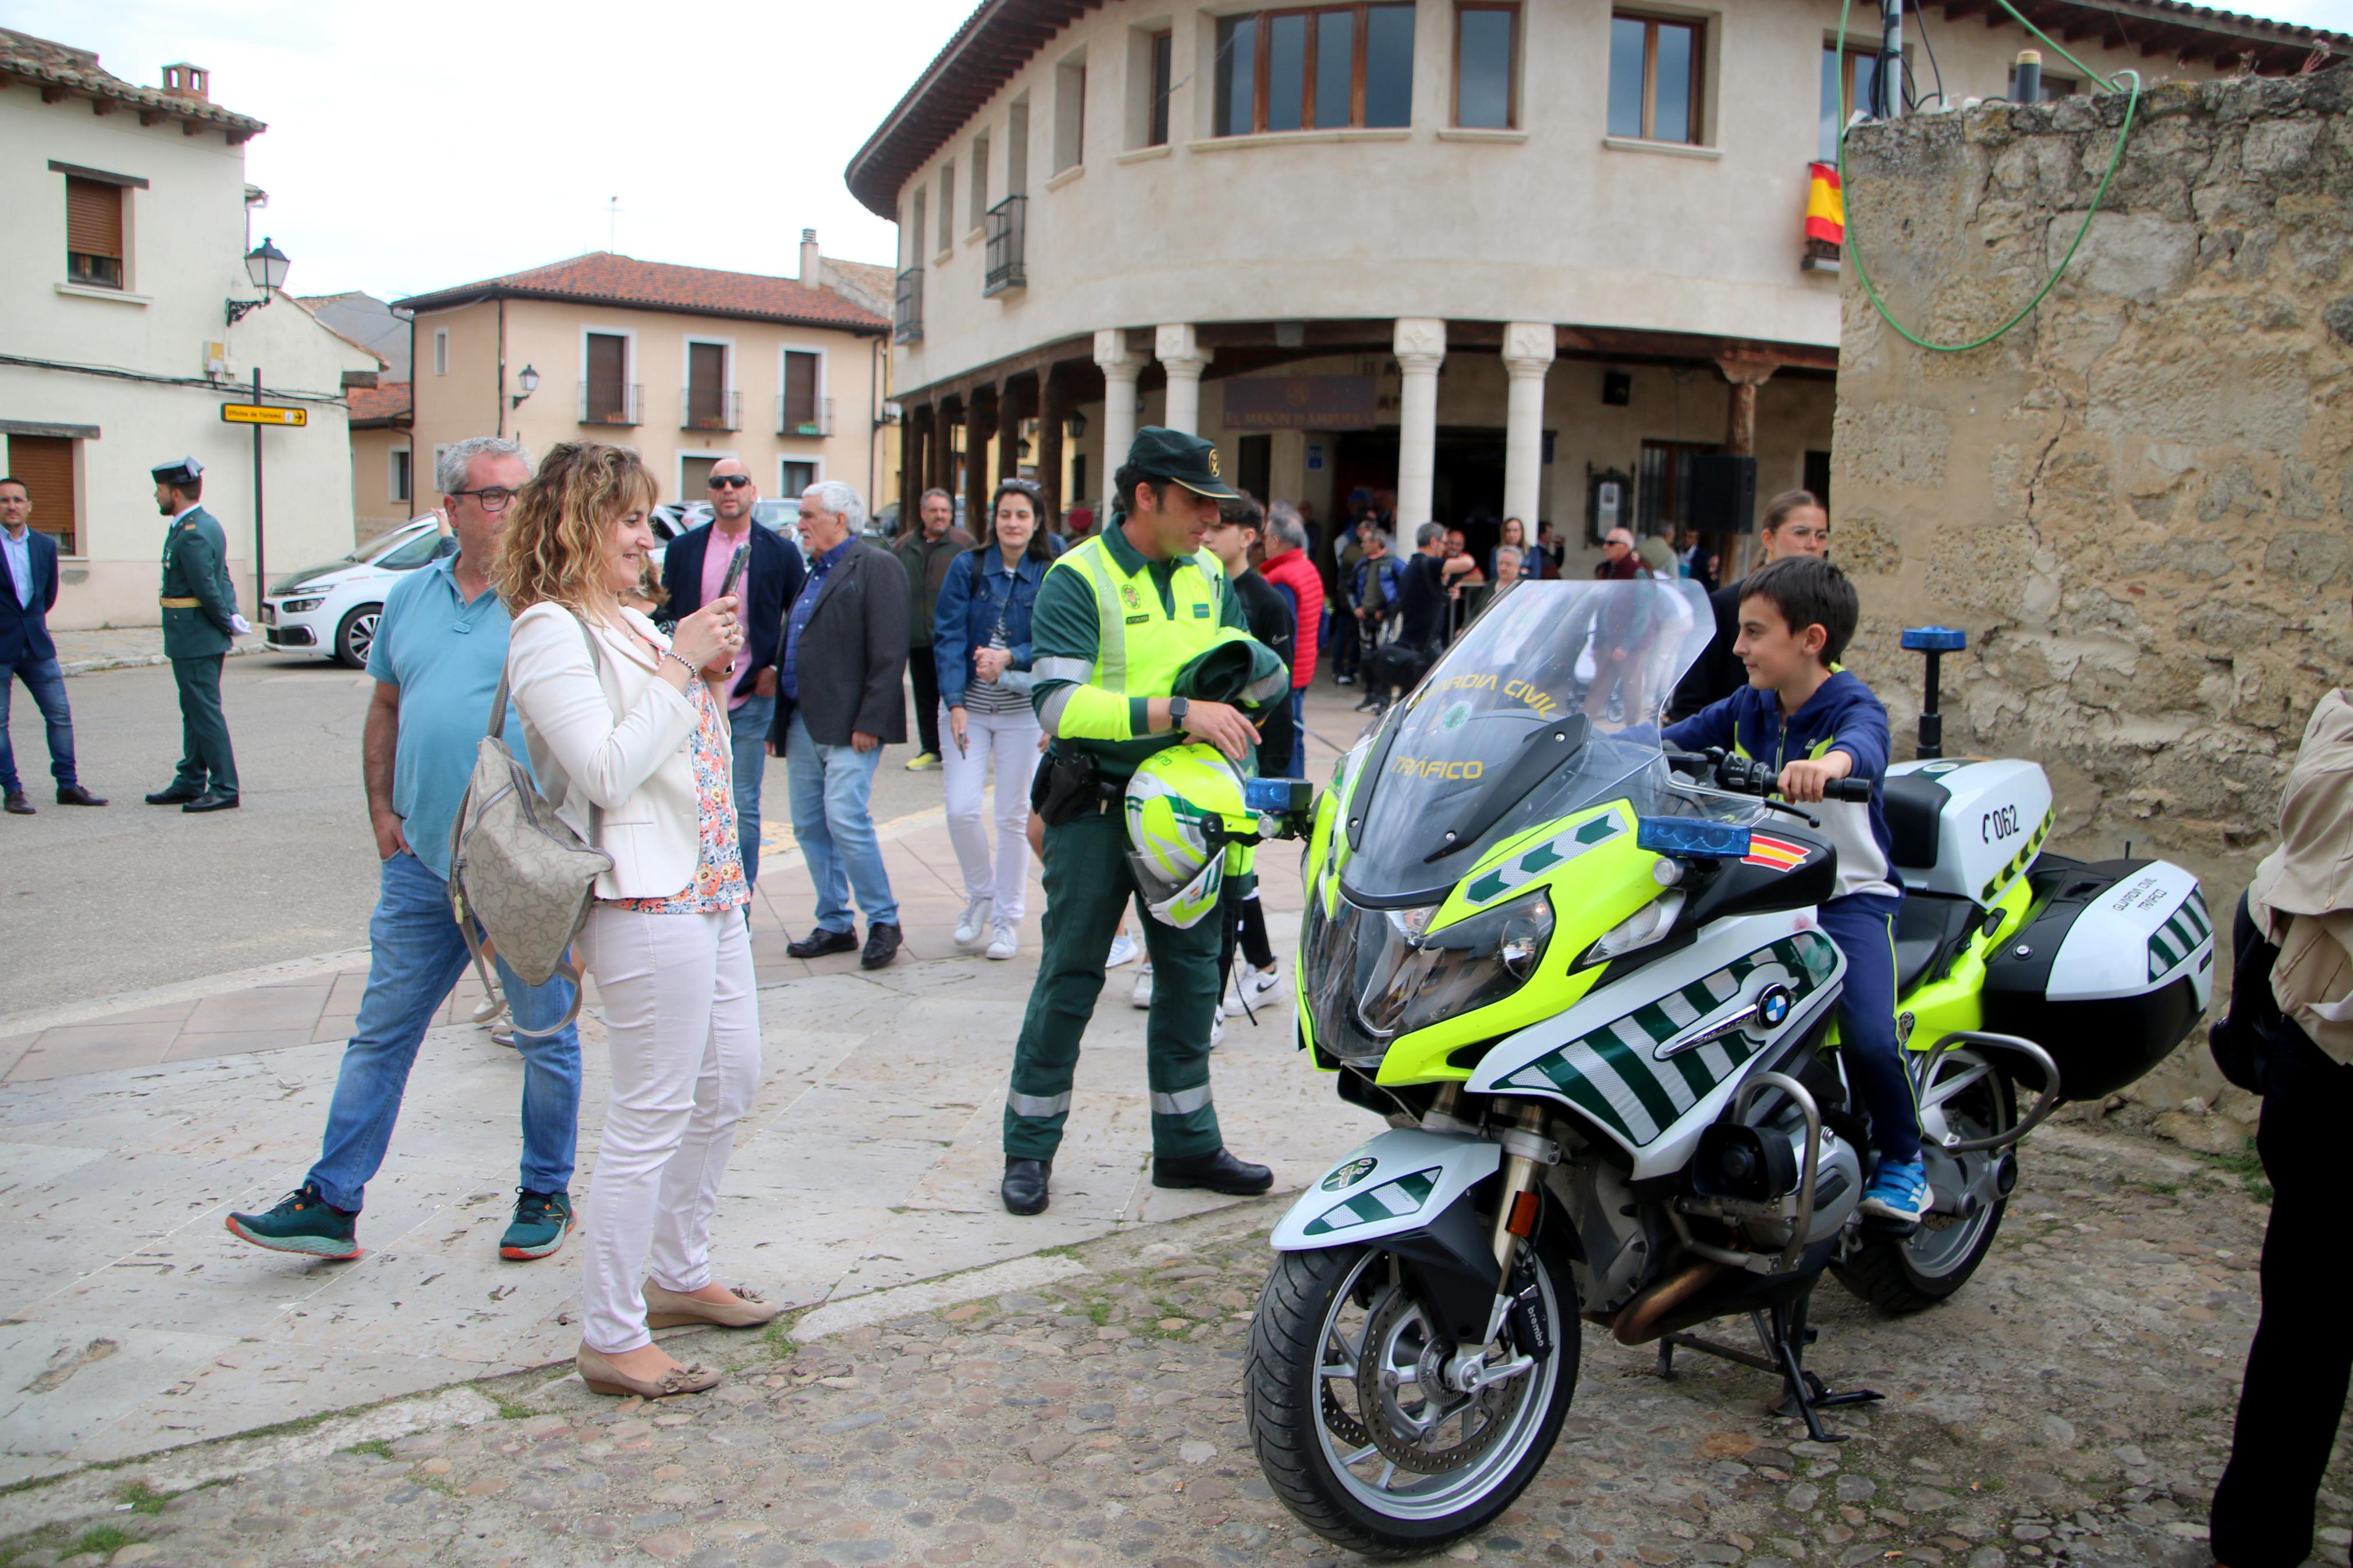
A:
x: 303, y: 1222
x: 542, y: 1220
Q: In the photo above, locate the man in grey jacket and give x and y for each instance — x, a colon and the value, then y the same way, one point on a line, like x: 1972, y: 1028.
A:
x: 839, y: 700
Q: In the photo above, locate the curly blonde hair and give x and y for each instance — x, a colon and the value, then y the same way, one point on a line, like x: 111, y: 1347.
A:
x: 554, y: 545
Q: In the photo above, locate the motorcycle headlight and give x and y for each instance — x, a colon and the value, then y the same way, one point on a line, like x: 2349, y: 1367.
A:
x: 1640, y: 929
x: 1435, y: 976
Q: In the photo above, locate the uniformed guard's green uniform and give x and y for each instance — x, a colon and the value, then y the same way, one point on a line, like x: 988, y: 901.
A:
x: 1111, y: 631
x: 198, y: 605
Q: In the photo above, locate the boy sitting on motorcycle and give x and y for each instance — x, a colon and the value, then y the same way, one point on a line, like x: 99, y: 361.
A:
x: 1816, y: 722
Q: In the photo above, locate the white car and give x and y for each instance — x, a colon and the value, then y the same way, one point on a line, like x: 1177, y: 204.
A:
x: 334, y: 608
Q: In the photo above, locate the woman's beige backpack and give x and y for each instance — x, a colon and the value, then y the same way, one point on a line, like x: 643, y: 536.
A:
x: 517, y: 868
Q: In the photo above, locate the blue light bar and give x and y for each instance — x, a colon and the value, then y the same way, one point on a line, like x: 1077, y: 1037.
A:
x: 1692, y: 837
x: 1935, y: 639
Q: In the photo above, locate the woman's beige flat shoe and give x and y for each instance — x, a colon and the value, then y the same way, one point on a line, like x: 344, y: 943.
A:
x: 667, y: 1309
x: 603, y: 1377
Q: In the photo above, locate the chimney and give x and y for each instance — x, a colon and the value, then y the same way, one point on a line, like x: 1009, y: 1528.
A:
x: 812, y: 260
x: 185, y: 80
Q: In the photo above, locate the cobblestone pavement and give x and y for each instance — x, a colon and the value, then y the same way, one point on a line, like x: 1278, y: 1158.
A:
x: 2072, y: 1405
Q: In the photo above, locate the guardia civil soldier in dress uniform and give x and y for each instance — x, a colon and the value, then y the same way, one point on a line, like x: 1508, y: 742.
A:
x: 200, y: 620
x: 1118, y: 617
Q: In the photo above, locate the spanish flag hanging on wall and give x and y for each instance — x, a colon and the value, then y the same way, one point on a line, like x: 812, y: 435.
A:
x: 1826, y: 206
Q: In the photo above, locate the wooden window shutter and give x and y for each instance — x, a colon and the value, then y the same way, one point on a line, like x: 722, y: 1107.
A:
x: 93, y: 218
x: 46, y: 464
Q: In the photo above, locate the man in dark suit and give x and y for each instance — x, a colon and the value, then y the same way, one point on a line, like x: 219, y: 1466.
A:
x: 28, y: 588
x: 839, y: 703
x: 200, y: 621
x: 694, y: 568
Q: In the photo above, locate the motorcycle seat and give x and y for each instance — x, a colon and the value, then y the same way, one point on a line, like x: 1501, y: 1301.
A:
x: 1931, y: 929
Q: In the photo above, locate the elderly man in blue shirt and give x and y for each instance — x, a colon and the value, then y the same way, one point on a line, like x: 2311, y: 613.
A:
x: 439, y: 650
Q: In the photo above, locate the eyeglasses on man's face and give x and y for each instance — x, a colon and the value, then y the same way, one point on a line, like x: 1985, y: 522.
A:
x: 492, y: 498
x: 728, y: 482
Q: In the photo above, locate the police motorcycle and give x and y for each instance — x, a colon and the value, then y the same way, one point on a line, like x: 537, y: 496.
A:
x: 1582, y: 976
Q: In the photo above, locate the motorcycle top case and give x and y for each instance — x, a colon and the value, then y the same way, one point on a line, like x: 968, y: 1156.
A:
x: 1965, y: 827
x: 2113, y: 967
x: 1397, y: 1180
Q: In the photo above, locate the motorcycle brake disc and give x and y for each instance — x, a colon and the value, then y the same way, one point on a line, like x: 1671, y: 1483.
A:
x: 1384, y: 1414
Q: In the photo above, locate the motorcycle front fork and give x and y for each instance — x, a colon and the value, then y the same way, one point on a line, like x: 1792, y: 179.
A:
x: 1527, y: 1152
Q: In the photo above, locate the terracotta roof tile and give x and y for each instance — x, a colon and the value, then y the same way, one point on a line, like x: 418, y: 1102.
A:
x: 62, y: 65
x: 613, y: 279
x: 384, y: 405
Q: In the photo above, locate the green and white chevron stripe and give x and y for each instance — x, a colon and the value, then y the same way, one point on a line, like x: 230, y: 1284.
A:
x: 1390, y: 1199
x: 2179, y: 937
x: 1538, y: 859
x: 2019, y: 861
x: 1612, y: 1073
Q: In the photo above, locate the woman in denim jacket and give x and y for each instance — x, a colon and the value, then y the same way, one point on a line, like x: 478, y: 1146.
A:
x: 980, y: 643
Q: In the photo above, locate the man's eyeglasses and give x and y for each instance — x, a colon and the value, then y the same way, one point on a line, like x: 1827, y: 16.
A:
x: 491, y: 498
x: 728, y: 482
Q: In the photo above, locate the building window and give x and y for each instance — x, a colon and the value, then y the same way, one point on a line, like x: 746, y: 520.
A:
x: 1163, y: 67
x: 1654, y: 79
x: 606, y: 396
x: 948, y: 207
x: 803, y: 413
x: 46, y: 464
x: 397, y: 486
x: 1315, y: 70
x: 1486, y: 65
x: 1857, y: 76
x: 441, y: 351
x: 795, y: 477
x: 1070, y: 114
x: 979, y: 176
x: 1663, y: 488
x: 707, y: 400
x: 93, y: 233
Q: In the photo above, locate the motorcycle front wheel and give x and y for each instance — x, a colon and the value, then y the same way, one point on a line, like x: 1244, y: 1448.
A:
x: 1356, y: 1429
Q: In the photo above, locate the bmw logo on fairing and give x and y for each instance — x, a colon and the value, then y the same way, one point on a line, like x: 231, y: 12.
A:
x: 1349, y: 1174
x: 1773, y: 1005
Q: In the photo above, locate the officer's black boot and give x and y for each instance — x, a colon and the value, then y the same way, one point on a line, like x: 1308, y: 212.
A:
x: 1024, y: 1189
x: 1218, y: 1169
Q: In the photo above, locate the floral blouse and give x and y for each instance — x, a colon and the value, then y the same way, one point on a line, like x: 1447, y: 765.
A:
x: 719, y: 881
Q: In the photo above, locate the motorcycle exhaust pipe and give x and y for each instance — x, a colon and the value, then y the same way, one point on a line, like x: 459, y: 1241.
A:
x: 1637, y: 1322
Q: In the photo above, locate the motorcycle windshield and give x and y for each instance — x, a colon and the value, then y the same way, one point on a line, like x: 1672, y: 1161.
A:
x: 1549, y: 701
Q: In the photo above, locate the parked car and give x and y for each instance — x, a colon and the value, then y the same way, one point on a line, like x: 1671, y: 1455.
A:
x: 334, y: 608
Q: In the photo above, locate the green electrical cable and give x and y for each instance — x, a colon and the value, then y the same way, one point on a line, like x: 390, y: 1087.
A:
x: 1871, y: 290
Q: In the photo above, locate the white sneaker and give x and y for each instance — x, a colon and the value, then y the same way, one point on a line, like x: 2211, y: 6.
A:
x: 1003, y: 940
x: 972, y: 930
x: 1142, y: 995
x: 490, y: 1008
x: 1217, y: 1032
x: 1252, y: 985
x: 1122, y: 951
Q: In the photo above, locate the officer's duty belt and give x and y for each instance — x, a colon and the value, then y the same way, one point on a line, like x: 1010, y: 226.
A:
x: 182, y: 604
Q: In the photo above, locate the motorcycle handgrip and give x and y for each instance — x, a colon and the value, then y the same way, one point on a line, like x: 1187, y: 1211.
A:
x: 1856, y: 790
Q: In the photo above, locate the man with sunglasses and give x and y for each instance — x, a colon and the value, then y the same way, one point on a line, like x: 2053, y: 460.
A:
x: 440, y: 650
x: 694, y: 569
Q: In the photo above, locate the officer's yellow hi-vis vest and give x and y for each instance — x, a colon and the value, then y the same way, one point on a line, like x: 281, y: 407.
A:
x: 1140, y: 647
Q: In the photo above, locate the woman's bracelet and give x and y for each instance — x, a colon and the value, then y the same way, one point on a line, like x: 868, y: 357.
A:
x: 691, y: 673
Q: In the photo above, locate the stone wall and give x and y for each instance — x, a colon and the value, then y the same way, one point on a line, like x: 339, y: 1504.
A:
x: 2139, y: 503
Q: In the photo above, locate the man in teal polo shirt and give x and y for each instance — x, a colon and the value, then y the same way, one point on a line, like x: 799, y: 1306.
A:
x: 439, y: 650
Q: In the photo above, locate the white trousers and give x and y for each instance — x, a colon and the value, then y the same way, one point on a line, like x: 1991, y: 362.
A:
x: 1007, y: 744
x: 684, y: 1029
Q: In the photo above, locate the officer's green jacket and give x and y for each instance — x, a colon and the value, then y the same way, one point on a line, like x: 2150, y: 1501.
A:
x: 1112, y: 630
x: 195, y: 566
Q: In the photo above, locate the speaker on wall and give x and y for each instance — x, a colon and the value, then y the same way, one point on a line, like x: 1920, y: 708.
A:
x: 1722, y: 498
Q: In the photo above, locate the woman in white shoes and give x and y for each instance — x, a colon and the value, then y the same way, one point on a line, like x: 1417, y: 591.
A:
x: 980, y: 643
x: 628, y: 741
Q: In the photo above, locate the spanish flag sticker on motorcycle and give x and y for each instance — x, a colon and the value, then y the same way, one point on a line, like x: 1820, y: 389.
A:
x: 1778, y: 854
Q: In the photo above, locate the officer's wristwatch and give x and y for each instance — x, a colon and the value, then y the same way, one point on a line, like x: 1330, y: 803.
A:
x: 1177, y: 708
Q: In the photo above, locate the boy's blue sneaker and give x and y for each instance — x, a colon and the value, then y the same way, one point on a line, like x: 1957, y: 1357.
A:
x: 1898, y: 1192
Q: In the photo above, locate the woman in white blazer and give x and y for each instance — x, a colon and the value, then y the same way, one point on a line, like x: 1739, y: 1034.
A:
x: 627, y: 733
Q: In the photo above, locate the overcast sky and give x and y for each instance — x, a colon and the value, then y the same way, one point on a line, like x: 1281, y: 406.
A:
x: 427, y: 143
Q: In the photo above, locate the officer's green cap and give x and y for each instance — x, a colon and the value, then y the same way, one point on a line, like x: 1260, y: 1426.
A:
x: 1187, y: 461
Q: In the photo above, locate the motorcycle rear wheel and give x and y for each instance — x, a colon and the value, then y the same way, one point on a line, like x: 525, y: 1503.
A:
x: 1320, y: 1314
x: 1910, y: 1273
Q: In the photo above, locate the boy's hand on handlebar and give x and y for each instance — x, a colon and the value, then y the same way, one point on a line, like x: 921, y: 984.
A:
x: 1802, y: 781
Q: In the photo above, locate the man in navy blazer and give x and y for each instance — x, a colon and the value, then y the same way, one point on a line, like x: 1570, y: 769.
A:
x: 28, y: 588
x: 694, y: 568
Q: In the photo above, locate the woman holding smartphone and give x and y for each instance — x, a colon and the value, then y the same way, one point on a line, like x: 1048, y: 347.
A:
x: 980, y: 644
x: 628, y: 741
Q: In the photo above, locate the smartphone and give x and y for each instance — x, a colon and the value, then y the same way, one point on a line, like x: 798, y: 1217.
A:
x: 741, y: 558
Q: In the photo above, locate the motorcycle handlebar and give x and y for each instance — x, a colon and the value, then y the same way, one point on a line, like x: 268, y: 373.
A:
x: 1749, y: 775
x: 1856, y: 790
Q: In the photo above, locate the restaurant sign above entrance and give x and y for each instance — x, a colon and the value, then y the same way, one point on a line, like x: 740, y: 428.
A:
x: 1300, y: 403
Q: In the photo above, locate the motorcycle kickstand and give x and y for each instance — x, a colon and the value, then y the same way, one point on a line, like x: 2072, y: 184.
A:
x: 1784, y: 1341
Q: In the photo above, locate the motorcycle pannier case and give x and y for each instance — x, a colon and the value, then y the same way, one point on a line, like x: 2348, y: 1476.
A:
x: 2113, y: 967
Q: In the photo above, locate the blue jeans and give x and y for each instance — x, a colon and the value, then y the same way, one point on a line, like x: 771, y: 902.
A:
x: 47, y: 683
x: 835, y: 825
x: 748, y: 723
x: 417, y: 954
x: 1864, y: 926
x: 1298, y: 733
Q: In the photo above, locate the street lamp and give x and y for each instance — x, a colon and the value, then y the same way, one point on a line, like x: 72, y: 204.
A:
x: 1076, y: 425
x: 529, y: 381
x: 266, y: 265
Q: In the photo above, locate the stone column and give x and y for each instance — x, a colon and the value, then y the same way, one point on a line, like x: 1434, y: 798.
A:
x: 1053, y: 408
x: 1120, y: 366
x: 1745, y: 376
x: 1528, y: 350
x: 1180, y: 353
x: 1420, y: 348
x: 912, y: 423
x: 1012, y: 408
x: 979, y: 425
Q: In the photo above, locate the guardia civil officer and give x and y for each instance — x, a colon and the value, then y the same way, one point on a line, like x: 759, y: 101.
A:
x: 1117, y: 618
x: 200, y: 621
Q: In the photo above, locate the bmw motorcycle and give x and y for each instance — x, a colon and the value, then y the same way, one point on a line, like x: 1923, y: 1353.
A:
x: 1581, y: 975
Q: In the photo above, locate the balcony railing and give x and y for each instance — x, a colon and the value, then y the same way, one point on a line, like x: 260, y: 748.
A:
x: 708, y: 408
x: 908, y: 314
x: 804, y: 416
x: 1008, y: 223
x: 611, y: 403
